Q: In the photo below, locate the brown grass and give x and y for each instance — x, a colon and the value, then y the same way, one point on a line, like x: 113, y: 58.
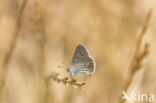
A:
x: 12, y: 46
x: 139, y: 55
x: 66, y: 80
x: 37, y: 36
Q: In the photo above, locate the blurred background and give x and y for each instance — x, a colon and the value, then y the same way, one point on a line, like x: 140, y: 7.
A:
x: 38, y: 36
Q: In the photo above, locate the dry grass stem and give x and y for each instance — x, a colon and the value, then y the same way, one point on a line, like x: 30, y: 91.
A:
x: 40, y: 35
x: 12, y: 46
x: 139, y: 55
x: 66, y: 80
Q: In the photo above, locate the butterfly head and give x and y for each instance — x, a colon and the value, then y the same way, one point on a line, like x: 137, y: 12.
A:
x: 68, y: 69
x: 72, y: 71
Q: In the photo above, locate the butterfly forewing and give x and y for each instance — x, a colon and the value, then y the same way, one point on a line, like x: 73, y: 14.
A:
x: 80, y: 52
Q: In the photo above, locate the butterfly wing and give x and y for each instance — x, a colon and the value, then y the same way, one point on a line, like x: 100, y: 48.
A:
x: 82, y: 61
x: 92, y: 64
x: 80, y: 52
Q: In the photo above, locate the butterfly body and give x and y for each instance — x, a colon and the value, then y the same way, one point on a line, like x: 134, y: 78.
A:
x: 82, y: 62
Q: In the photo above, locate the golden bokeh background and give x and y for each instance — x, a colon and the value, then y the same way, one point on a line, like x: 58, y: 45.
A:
x: 38, y: 36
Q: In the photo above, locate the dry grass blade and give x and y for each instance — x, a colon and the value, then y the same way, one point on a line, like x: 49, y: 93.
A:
x: 139, y: 54
x: 66, y: 80
x: 40, y: 38
x: 12, y: 46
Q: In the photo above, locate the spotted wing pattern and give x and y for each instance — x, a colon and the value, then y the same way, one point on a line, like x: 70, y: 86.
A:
x: 82, y: 61
x: 80, y: 52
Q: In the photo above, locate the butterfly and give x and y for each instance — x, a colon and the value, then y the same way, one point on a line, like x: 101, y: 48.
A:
x: 82, y: 62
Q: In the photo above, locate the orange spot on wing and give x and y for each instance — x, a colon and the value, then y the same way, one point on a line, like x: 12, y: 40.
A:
x: 90, y: 64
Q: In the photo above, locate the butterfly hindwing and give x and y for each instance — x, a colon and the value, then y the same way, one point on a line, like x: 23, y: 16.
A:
x: 91, y: 64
